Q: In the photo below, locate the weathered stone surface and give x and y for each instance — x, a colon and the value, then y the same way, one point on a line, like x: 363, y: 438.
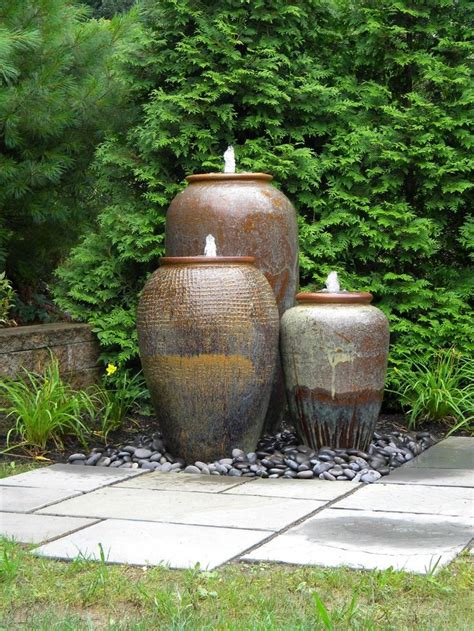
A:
x: 67, y: 477
x: 24, y: 338
x: 369, y: 540
x: 146, y: 543
x: 29, y: 347
x: 431, y: 477
x: 182, y: 482
x: 455, y: 452
x: 17, y: 499
x: 71, y: 357
x: 414, y: 499
x: 82, y: 379
x: 38, y: 528
x: 213, y: 509
x: 296, y: 489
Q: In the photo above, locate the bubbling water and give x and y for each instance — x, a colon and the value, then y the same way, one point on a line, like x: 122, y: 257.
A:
x: 332, y: 283
x: 229, y: 160
x: 210, y: 247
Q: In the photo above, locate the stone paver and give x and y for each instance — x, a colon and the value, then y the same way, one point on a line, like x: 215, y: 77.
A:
x: 296, y: 489
x: 414, y: 499
x: 456, y: 452
x: 66, y: 476
x: 148, y: 543
x: 416, y: 519
x: 18, y: 499
x: 212, y: 509
x: 183, y: 482
x: 430, y: 477
x: 369, y: 540
x: 30, y: 528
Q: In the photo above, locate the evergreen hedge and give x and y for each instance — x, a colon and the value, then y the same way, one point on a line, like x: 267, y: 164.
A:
x: 56, y: 95
x: 360, y: 110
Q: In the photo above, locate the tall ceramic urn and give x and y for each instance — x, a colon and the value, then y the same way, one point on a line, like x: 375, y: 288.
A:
x: 248, y: 216
x: 208, y: 337
x: 334, y: 349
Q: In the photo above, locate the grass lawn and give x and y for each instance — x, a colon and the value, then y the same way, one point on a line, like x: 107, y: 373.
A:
x: 14, y: 467
x: 49, y: 595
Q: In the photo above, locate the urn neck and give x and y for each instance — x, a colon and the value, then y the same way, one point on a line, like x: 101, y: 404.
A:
x: 207, y: 260
x: 229, y: 177
x: 339, y: 298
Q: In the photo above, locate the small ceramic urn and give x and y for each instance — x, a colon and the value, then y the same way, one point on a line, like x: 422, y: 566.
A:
x: 248, y: 216
x: 208, y: 337
x: 334, y: 348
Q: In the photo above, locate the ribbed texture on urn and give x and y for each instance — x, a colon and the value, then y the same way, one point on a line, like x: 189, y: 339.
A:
x: 208, y: 336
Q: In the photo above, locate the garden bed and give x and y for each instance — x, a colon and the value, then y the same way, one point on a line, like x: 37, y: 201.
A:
x: 139, y: 444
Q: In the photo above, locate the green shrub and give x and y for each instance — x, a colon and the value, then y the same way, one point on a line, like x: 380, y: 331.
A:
x: 361, y: 112
x: 199, y: 81
x: 57, y: 93
x: 441, y: 390
x: 108, y: 8
x: 7, y: 295
x: 44, y: 408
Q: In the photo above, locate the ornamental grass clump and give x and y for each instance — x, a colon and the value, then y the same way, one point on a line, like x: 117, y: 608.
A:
x: 116, y: 397
x: 44, y: 409
x: 440, y: 390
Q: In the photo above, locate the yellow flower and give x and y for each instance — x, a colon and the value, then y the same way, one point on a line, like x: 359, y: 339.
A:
x: 110, y: 369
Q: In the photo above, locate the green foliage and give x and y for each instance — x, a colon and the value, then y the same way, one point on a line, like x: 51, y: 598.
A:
x: 116, y: 397
x: 108, y: 8
x: 439, y: 390
x: 398, y: 220
x: 44, y: 408
x: 198, y: 81
x: 56, y: 93
x: 359, y: 109
x: 46, y: 594
x: 346, y: 616
x: 7, y: 295
x: 36, y: 306
x: 13, y: 467
x: 10, y: 559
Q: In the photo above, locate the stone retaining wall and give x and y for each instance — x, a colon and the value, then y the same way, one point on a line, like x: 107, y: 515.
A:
x: 29, y: 347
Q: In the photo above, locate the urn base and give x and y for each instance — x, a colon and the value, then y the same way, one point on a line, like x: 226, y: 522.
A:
x: 345, y: 422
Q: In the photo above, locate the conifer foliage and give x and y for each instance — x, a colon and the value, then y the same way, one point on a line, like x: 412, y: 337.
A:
x: 55, y: 88
x: 361, y: 112
x: 397, y: 206
x: 108, y: 8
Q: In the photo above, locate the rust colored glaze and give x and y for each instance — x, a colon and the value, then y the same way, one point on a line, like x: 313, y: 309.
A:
x: 247, y: 215
x: 335, y: 349
x: 208, y: 337
x: 340, y: 298
x: 213, y: 177
x: 205, y: 260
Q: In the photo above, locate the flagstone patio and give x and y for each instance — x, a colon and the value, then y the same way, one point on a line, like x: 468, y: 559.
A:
x: 417, y: 519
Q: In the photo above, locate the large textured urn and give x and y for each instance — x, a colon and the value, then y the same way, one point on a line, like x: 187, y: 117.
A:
x: 208, y: 337
x: 334, y: 349
x: 248, y: 216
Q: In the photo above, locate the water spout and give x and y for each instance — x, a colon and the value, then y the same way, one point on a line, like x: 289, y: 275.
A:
x: 332, y: 283
x: 229, y: 160
x: 210, y: 249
